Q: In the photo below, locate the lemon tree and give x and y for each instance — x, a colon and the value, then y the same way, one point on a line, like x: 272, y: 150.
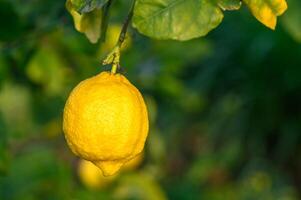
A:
x: 105, y: 117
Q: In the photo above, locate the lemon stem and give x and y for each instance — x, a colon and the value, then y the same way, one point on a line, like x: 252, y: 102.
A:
x: 114, y: 56
x: 126, y: 25
x: 114, y: 68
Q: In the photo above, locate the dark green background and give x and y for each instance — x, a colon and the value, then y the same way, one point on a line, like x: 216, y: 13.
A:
x: 225, y: 109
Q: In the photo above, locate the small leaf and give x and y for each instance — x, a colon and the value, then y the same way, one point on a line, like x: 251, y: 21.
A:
x: 87, y: 23
x: 84, y: 6
x: 229, y: 4
x: 266, y: 11
x: 176, y: 19
x: 47, y: 69
x: 292, y: 19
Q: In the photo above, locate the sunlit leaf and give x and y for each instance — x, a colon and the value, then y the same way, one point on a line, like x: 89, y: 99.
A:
x: 88, y: 23
x: 229, y: 4
x: 176, y: 19
x: 83, y: 6
x: 266, y: 11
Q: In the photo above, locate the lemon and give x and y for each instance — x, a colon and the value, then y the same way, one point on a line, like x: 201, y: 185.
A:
x: 91, y: 176
x: 105, y: 121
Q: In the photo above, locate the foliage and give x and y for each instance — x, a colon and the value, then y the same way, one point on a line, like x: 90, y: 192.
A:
x: 87, y: 5
x: 292, y: 20
x: 87, y: 23
x: 224, y: 109
x: 182, y: 19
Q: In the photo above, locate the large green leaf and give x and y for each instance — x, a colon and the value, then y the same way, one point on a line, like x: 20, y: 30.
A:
x: 266, y: 11
x: 84, y: 6
x: 176, y: 19
x: 87, y: 23
x: 229, y: 4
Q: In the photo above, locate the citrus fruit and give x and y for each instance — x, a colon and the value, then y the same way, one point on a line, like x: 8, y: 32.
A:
x: 105, y: 121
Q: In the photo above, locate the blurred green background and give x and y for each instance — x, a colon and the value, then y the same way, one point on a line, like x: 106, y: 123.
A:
x: 225, y: 109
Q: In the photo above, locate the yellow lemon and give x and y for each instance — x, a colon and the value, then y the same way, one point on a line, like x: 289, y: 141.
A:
x: 91, y: 176
x: 105, y: 121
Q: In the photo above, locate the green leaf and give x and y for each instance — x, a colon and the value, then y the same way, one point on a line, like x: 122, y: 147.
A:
x: 292, y: 19
x: 176, y: 19
x: 87, y: 23
x: 84, y: 6
x: 266, y: 11
x: 229, y: 4
x: 47, y: 69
